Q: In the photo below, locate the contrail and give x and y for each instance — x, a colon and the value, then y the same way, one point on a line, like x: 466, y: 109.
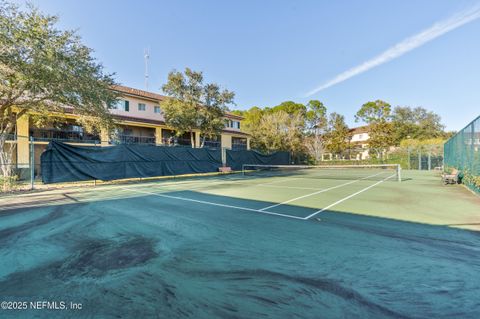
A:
x: 399, y: 49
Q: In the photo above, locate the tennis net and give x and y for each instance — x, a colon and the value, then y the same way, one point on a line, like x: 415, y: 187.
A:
x: 348, y: 172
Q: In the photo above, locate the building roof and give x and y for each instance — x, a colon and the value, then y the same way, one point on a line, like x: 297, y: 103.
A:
x: 157, y: 97
x: 360, y: 129
x: 157, y: 122
x: 139, y: 93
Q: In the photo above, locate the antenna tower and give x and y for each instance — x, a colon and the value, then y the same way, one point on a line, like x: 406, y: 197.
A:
x: 147, y: 57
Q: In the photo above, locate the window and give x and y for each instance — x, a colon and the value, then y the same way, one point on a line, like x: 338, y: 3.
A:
x: 122, y: 105
x: 75, y: 128
x: 117, y: 105
x: 156, y: 109
x: 142, y: 107
x: 360, y: 136
x: 232, y: 124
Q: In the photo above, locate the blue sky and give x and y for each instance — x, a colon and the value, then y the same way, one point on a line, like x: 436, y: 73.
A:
x: 272, y: 51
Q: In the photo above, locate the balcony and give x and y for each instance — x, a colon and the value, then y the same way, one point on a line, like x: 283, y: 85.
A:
x: 13, y: 137
x: 239, y: 146
x: 64, y: 136
x: 132, y: 139
x: 212, y: 144
x: 176, y: 141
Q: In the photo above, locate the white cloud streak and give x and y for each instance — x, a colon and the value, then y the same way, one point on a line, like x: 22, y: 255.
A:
x: 409, y: 44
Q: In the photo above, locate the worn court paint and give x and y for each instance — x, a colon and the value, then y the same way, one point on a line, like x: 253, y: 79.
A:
x: 382, y: 254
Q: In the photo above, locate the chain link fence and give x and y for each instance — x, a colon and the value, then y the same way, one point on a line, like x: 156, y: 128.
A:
x: 417, y: 156
x: 19, y: 166
x: 462, y: 152
x: 20, y: 156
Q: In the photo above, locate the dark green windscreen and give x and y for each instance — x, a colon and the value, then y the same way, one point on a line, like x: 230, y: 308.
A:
x: 462, y: 151
x: 67, y: 163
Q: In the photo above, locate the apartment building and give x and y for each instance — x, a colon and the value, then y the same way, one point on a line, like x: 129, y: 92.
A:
x: 139, y: 119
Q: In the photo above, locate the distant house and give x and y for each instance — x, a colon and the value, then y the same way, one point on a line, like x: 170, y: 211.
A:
x: 359, y: 142
x: 358, y: 146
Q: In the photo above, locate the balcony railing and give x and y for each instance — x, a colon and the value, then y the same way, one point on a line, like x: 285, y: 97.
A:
x: 239, y: 146
x: 212, y: 144
x: 13, y: 137
x: 66, y: 136
x: 132, y: 139
x: 176, y: 141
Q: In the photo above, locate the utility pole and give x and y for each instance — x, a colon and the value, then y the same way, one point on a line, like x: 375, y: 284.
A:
x: 146, y: 56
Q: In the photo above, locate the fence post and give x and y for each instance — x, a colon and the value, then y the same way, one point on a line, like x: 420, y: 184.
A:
x: 408, y: 155
x: 419, y: 160
x: 224, y: 156
x: 32, y: 163
x: 429, y: 161
x: 472, y: 149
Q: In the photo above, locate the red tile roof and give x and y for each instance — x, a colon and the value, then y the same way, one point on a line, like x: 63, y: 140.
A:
x: 157, y: 97
x: 360, y: 129
x: 137, y: 92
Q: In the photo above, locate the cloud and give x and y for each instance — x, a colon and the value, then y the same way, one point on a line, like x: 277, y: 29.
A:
x: 407, y: 45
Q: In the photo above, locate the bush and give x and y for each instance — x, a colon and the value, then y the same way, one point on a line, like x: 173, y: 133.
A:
x: 8, y: 182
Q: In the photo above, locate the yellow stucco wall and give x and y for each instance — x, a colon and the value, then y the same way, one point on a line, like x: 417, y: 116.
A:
x: 227, y: 141
x: 23, y: 144
x: 158, y: 135
x: 104, y: 137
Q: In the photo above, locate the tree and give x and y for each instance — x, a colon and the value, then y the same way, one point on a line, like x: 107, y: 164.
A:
x: 416, y: 123
x: 194, y: 105
x: 316, y: 124
x: 377, y: 116
x: 42, y: 70
x: 316, y: 117
x: 251, y: 118
x: 337, y: 137
x: 280, y: 131
x: 290, y: 107
x: 212, y: 113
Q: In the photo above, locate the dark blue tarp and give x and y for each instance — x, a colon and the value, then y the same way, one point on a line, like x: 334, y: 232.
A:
x: 66, y: 163
x: 235, y: 159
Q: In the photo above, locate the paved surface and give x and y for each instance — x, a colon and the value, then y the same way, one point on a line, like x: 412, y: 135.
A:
x: 234, y: 247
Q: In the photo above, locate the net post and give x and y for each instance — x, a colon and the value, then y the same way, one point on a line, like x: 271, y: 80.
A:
x: 399, y: 173
x: 32, y: 163
x: 243, y: 169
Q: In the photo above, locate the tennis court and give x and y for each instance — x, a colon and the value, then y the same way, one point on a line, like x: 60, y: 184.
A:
x: 303, y: 243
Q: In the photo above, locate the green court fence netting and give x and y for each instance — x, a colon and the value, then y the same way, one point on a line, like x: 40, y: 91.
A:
x: 462, y: 151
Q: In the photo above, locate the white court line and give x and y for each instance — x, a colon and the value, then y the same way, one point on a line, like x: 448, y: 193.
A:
x: 280, y: 186
x: 318, y: 192
x: 235, y: 182
x: 213, y: 204
x: 280, y: 179
x: 348, y: 197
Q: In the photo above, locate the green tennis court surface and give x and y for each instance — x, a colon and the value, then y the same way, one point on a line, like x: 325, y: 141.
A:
x: 272, y: 246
